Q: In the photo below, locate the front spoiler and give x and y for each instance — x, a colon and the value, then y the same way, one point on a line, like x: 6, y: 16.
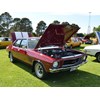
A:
x: 67, y: 68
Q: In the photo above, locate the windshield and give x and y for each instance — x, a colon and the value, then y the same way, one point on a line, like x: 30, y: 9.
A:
x: 98, y: 36
x: 32, y: 42
x: 1, y: 38
x: 5, y: 39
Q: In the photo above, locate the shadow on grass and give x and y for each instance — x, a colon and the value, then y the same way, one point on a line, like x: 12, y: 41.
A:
x: 95, y: 61
x: 2, y: 48
x: 77, y: 78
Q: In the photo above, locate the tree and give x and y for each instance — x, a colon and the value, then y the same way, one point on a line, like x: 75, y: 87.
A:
x: 65, y: 23
x: 41, y: 26
x: 16, y: 24
x: 26, y: 25
x: 5, y: 23
x: 23, y: 24
x: 80, y: 34
x: 96, y: 28
x: 56, y: 22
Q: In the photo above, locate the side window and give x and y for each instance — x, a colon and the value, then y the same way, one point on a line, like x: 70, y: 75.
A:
x: 23, y: 44
x: 6, y: 39
x: 32, y: 43
x: 17, y: 43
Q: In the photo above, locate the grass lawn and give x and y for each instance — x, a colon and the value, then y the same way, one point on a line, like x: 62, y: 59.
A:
x: 19, y: 75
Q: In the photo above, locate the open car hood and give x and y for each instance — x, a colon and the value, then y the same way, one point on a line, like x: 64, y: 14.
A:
x: 57, y: 35
x: 19, y: 35
x: 98, y: 36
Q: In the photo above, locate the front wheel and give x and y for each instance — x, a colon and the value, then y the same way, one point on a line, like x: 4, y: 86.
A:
x: 71, y: 46
x: 11, y: 57
x: 98, y: 57
x: 40, y: 71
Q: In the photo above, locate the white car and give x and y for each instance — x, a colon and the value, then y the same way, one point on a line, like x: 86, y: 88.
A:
x: 94, y: 50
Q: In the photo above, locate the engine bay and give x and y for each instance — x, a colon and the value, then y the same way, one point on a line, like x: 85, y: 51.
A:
x: 58, y: 52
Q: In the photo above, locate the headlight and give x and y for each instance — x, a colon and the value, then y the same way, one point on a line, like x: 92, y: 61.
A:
x: 85, y: 57
x: 55, y: 64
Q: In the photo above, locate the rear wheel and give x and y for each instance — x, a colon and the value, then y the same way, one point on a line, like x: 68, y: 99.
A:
x: 71, y: 46
x: 11, y: 57
x: 98, y: 57
x: 40, y: 71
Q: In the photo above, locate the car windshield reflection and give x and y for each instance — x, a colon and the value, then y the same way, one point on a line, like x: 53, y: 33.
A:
x: 32, y: 43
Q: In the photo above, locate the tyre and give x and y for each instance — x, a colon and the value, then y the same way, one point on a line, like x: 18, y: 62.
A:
x: 98, y: 57
x: 71, y: 46
x: 40, y: 71
x: 11, y: 57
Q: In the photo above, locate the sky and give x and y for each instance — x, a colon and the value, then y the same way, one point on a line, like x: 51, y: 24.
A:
x: 72, y: 11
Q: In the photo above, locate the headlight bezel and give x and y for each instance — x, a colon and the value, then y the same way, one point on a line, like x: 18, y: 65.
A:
x: 55, y: 64
x: 84, y: 57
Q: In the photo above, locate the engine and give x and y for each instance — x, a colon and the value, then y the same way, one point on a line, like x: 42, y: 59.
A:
x: 56, y: 53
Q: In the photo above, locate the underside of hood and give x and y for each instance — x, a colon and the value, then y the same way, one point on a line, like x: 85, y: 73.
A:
x: 57, y: 35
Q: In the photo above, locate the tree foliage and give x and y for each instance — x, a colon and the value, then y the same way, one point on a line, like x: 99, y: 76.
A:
x: 96, y: 28
x: 80, y: 34
x: 8, y: 24
x: 5, y: 23
x: 23, y: 24
x: 41, y: 26
x: 56, y: 22
x: 26, y: 25
x: 65, y: 23
x: 16, y: 24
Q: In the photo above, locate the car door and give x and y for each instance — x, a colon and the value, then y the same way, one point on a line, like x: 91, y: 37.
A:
x: 6, y: 41
x: 23, y: 50
x: 15, y: 49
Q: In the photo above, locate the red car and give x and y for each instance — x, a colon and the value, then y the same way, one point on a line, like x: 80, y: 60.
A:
x: 48, y: 54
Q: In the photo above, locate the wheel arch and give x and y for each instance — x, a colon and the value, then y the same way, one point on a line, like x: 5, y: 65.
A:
x: 97, y: 54
x: 37, y: 61
x: 9, y: 54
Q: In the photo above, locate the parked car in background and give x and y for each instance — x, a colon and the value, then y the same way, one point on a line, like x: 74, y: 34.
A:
x: 94, y: 40
x: 88, y: 41
x: 5, y: 41
x: 47, y: 54
x: 73, y: 42
x: 94, y: 50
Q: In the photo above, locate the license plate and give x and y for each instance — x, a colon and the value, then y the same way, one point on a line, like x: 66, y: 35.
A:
x: 73, y: 69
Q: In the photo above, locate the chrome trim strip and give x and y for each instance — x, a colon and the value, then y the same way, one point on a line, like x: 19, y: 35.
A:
x: 72, y: 56
x: 61, y: 69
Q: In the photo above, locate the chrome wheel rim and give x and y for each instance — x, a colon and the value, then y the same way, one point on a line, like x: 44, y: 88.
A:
x: 39, y: 70
x: 99, y: 58
x: 11, y: 58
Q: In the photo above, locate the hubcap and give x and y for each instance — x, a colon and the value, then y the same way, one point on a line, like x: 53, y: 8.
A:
x: 98, y: 57
x: 11, y: 58
x: 39, y: 70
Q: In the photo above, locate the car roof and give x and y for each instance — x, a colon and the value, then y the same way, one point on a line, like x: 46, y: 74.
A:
x: 29, y: 38
x: 4, y: 37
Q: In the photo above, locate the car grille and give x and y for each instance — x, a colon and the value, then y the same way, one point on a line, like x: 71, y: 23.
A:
x: 72, y: 62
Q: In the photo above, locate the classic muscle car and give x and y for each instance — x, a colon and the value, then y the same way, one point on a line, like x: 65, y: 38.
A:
x: 94, y: 50
x: 73, y: 42
x: 5, y: 41
x: 48, y: 54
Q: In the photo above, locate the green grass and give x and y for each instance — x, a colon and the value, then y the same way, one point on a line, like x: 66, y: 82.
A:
x: 20, y: 75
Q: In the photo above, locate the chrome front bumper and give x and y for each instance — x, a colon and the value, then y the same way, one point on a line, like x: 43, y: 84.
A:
x: 67, y: 68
